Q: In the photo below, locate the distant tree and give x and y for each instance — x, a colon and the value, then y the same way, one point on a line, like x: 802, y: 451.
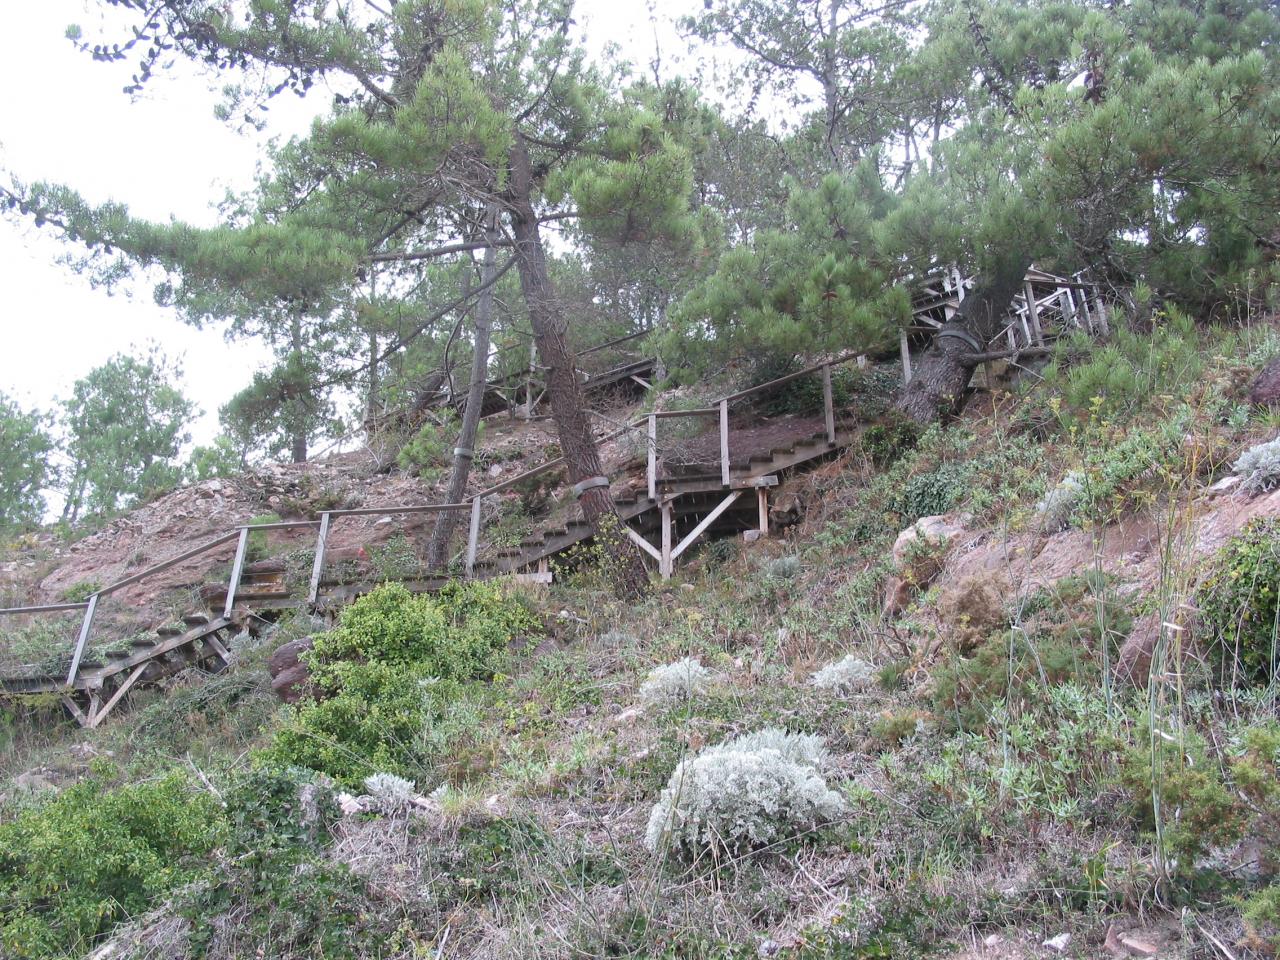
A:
x: 125, y: 423
x: 25, y: 470
x: 211, y: 461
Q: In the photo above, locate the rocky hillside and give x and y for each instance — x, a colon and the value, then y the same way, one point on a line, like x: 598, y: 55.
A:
x: 1007, y: 691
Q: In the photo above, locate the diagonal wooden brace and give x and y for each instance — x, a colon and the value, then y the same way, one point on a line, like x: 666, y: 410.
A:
x: 707, y: 521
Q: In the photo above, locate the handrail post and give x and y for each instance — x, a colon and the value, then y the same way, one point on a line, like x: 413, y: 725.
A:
x: 317, y: 565
x: 653, y: 457
x: 724, y: 442
x: 237, y: 568
x: 83, y: 640
x: 828, y: 405
x: 473, y: 534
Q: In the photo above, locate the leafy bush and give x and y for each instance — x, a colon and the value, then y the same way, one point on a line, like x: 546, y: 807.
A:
x: 1056, y: 506
x: 1238, y: 602
x: 80, y: 592
x: 936, y: 492
x: 885, y: 442
x: 391, y: 793
x: 389, y: 672
x: 1260, y: 467
x: 747, y: 792
x: 92, y: 856
x: 430, y: 452
x: 1175, y: 787
x: 849, y: 673
x: 456, y: 634
x: 683, y: 680
x: 1261, y: 914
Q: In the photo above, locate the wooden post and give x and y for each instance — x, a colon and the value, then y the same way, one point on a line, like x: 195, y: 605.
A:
x: 828, y: 405
x: 762, y: 501
x: 237, y: 567
x: 473, y: 534
x: 83, y: 640
x: 653, y: 457
x: 317, y: 566
x: 667, y: 562
x: 906, y: 357
x: 1033, y: 313
x: 724, y: 442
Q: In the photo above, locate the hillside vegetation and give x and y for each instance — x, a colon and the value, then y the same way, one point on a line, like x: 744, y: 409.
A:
x: 808, y: 747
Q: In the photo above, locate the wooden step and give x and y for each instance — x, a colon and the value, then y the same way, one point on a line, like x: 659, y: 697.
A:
x: 165, y: 633
x: 195, y: 620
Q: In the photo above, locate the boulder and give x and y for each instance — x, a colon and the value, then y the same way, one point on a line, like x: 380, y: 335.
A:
x: 1265, y: 388
x: 918, y: 554
x: 290, y: 677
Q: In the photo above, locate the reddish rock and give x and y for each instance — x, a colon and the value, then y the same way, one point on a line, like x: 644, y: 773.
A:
x: 290, y: 677
x: 1266, y: 385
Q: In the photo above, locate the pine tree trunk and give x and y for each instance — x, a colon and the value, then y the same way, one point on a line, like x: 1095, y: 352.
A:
x: 298, y: 438
x: 577, y: 444
x: 940, y: 376
x: 446, y: 523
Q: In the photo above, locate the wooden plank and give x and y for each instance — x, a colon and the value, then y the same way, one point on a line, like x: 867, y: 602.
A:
x: 237, y: 569
x: 724, y: 442
x: 643, y: 544
x: 76, y: 712
x: 762, y: 503
x: 83, y: 639
x: 143, y: 656
x: 1033, y: 314
x: 172, y: 562
x: 317, y: 565
x: 709, y: 519
x: 652, y: 474
x: 45, y: 608
x: 828, y: 405
x: 666, y: 564
x: 473, y: 535
x: 212, y: 640
x: 118, y: 695
x: 905, y: 350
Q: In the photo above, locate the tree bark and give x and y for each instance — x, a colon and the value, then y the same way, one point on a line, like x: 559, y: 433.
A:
x: 298, y: 438
x: 940, y: 376
x: 463, y: 454
x: 577, y: 444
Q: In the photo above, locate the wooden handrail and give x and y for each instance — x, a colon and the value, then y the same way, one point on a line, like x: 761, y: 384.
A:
x: 171, y: 562
x: 44, y: 608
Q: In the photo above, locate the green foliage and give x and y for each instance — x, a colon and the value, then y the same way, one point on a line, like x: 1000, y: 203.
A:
x: 259, y: 545
x: 1066, y: 633
x: 1124, y: 374
x: 25, y: 470
x: 126, y: 424
x: 885, y: 442
x: 389, y: 673
x: 93, y: 856
x: 1261, y: 913
x: 1240, y: 603
x: 429, y: 452
x: 80, y: 592
x: 282, y: 410
x: 1179, y: 795
x: 219, y: 460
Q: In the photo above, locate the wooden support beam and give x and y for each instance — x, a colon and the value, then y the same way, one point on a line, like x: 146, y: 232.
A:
x: 116, y: 697
x: 644, y: 383
x: 82, y: 640
x: 75, y: 711
x: 906, y: 357
x: 473, y: 534
x: 317, y: 565
x: 653, y: 457
x: 828, y: 405
x: 643, y: 544
x: 218, y: 648
x: 666, y: 562
x: 1036, y: 334
x: 762, y: 503
x: 237, y: 568
x: 724, y: 442
x: 707, y: 521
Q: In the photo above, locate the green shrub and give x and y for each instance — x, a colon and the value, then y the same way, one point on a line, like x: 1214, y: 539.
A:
x: 936, y: 492
x: 93, y: 856
x: 429, y: 453
x: 80, y: 592
x: 885, y: 442
x: 1261, y: 914
x: 389, y: 672
x: 1255, y: 771
x: 1238, y: 603
x: 259, y: 545
x: 1176, y: 788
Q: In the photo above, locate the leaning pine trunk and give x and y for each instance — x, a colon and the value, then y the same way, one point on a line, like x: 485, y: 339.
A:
x: 464, y: 452
x: 940, y: 376
x: 577, y: 444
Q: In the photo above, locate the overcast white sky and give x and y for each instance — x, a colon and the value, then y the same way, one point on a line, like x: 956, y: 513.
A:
x: 64, y: 119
